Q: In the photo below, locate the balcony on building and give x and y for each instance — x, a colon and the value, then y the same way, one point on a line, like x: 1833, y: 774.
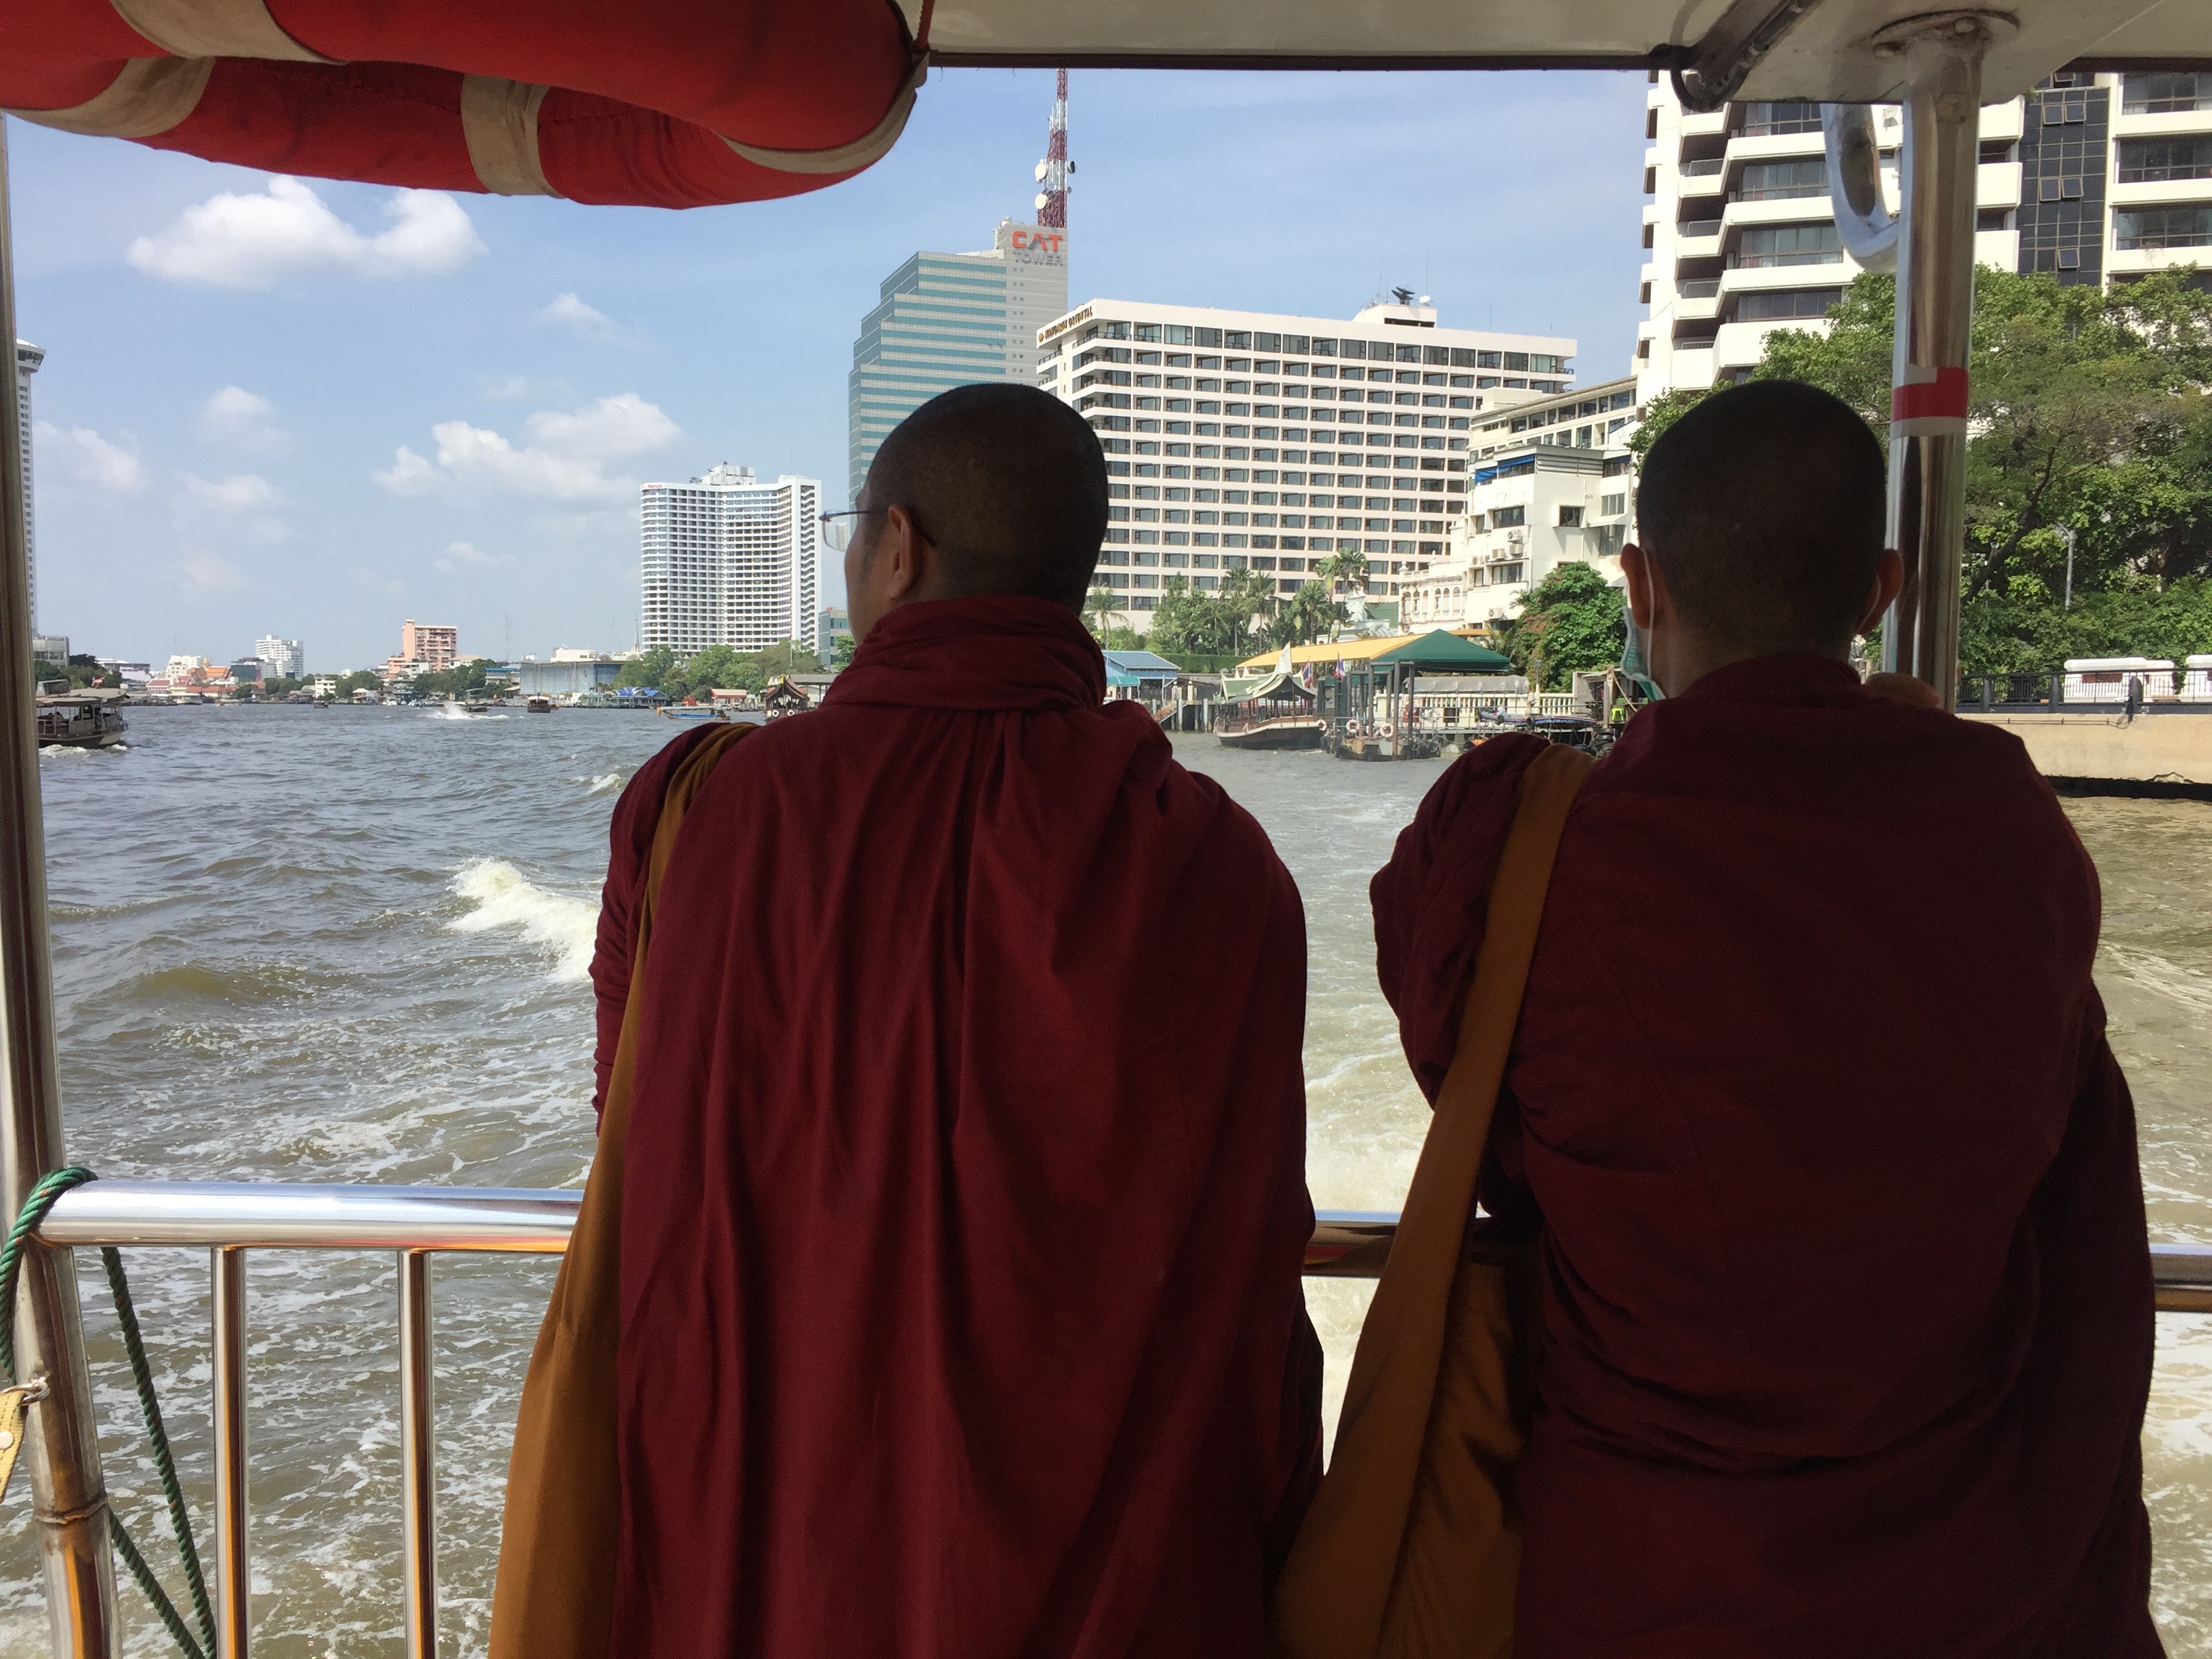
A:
x: 1705, y: 178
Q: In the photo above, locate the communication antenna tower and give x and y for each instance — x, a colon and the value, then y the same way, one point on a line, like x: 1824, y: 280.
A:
x: 1052, y: 173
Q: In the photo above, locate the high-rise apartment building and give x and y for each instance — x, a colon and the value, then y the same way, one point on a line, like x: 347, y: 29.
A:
x: 948, y: 319
x: 730, y: 560
x: 1224, y: 431
x: 435, y: 648
x: 27, y: 359
x: 284, y: 659
x: 2092, y: 178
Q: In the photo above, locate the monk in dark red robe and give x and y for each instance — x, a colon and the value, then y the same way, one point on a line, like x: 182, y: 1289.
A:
x: 965, y: 1203
x: 1847, y: 1313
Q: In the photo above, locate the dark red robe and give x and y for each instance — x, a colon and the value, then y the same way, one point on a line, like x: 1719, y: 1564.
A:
x: 965, y: 1203
x: 1847, y: 1309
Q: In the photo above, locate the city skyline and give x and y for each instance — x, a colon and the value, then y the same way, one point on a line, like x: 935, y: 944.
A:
x: 309, y: 410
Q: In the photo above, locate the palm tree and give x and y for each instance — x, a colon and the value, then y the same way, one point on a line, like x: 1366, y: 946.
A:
x: 1101, y: 610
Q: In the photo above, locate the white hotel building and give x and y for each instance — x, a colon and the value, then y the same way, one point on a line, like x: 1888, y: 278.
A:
x: 1224, y: 430
x: 2092, y: 178
x: 729, y: 561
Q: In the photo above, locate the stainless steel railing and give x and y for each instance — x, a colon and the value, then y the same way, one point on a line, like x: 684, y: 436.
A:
x: 229, y: 1218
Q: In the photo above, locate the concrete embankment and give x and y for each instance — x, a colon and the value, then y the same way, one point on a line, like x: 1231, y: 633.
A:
x: 2108, y: 753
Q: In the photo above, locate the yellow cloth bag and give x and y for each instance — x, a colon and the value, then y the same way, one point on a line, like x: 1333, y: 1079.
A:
x: 554, y: 1598
x: 1412, y: 1546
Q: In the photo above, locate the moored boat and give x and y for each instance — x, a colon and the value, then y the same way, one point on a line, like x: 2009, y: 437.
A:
x: 1300, y: 730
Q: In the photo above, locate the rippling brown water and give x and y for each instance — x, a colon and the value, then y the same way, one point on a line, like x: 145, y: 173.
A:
x: 350, y: 947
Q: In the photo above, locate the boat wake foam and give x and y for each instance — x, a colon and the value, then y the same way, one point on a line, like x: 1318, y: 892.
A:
x: 602, y: 784
x: 500, y: 895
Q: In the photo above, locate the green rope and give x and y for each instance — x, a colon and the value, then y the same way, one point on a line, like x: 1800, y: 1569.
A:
x: 42, y: 1199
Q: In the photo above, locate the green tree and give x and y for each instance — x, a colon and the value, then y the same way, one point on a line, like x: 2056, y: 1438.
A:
x: 1181, y: 623
x: 648, y: 670
x: 1570, y: 621
x: 786, y: 657
x: 717, y: 667
x: 1101, y: 610
x: 1309, y: 615
x: 362, y: 679
x: 1342, y: 570
x: 2091, y: 429
x: 458, y: 680
x: 1662, y: 412
x: 841, y: 653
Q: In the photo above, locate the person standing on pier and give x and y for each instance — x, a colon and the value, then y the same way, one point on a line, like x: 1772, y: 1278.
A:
x: 960, y: 1299
x: 1844, y: 1324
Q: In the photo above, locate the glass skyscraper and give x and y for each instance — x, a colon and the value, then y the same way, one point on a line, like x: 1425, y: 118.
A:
x: 948, y: 319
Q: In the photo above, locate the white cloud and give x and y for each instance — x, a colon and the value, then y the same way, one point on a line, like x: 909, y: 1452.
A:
x: 246, y: 492
x: 236, y: 416
x: 562, y: 459
x: 458, y: 554
x: 81, y: 457
x: 210, y: 573
x: 587, y: 321
x: 249, y: 241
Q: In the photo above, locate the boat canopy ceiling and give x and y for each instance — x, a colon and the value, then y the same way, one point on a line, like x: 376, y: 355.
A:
x: 682, y: 103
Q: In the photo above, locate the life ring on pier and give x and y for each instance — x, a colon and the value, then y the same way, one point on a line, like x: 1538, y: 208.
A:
x: 1351, y: 728
x: 1386, y: 730
x: 673, y: 103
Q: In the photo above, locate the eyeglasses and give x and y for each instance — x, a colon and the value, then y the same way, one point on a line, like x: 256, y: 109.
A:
x: 837, y: 534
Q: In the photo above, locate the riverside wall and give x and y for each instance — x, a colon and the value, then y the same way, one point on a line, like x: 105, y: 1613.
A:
x: 2163, y: 753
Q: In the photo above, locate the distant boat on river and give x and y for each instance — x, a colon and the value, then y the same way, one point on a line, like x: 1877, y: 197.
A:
x: 83, y: 722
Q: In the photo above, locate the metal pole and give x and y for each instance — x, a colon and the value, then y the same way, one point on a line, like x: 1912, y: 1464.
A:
x: 1934, y: 311
x: 418, y: 1456
x: 234, y: 1571
x: 2069, y: 605
x: 67, y: 1496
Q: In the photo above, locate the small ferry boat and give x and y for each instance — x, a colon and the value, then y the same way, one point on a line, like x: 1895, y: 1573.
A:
x: 540, y: 705
x: 66, y: 722
x: 691, y: 713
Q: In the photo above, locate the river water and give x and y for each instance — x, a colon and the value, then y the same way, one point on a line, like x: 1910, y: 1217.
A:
x: 350, y: 945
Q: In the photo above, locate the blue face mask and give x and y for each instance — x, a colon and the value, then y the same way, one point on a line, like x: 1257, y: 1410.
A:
x: 1636, y: 658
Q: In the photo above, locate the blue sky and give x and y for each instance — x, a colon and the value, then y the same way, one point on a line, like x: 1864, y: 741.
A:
x: 316, y: 409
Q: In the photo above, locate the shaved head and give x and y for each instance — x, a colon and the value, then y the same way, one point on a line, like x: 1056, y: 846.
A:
x: 1007, y: 482
x: 1765, y: 509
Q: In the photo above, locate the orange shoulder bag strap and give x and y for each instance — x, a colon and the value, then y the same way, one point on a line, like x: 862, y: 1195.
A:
x: 1412, y: 1544
x: 553, y: 1597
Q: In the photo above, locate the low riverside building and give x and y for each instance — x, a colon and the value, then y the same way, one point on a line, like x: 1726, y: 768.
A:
x: 1229, y: 444
x: 1551, y: 482
x: 567, y: 676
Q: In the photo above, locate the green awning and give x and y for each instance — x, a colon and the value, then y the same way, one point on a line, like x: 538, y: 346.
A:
x: 1443, y: 652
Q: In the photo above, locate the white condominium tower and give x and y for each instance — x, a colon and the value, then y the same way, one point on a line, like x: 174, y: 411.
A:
x: 729, y: 561
x: 1214, y: 422
x: 948, y: 319
x: 2092, y: 178
x: 284, y: 659
x: 27, y: 359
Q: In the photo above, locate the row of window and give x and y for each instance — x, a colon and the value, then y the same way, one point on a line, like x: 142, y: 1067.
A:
x: 1283, y: 497
x: 1149, y: 554
x: 1107, y: 424
x: 2162, y: 227
x: 1559, y: 412
x: 1267, y: 521
x: 1432, y: 400
x: 1233, y: 339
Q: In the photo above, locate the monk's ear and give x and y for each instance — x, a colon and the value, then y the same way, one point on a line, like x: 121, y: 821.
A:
x: 1640, y: 570
x: 907, y: 549
x: 1888, y: 578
